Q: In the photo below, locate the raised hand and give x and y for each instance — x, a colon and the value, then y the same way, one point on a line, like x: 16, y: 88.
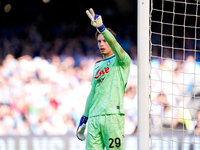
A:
x: 96, y: 20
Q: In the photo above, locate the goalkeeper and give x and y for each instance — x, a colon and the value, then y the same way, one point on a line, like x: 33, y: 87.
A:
x: 104, y: 109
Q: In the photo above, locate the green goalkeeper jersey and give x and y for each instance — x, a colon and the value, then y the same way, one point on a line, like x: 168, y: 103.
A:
x: 109, y: 79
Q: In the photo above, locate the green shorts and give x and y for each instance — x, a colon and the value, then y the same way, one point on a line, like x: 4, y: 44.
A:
x: 105, y: 131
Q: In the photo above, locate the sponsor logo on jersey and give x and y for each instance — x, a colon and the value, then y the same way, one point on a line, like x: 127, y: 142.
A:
x: 101, y: 72
x: 99, y: 81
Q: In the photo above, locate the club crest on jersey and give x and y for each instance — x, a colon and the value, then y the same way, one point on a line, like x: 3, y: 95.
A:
x: 101, y: 72
x: 108, y: 62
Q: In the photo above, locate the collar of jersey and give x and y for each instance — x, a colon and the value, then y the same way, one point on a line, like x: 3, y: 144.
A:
x: 107, y: 58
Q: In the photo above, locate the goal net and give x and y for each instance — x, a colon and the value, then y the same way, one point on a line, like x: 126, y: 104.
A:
x: 174, y: 75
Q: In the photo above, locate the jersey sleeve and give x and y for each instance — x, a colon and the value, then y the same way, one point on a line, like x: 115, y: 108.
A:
x: 92, y: 80
x: 122, y: 57
x: 89, y: 102
x: 90, y: 97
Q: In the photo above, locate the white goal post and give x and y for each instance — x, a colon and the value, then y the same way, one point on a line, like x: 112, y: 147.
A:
x: 168, y: 86
x: 143, y: 74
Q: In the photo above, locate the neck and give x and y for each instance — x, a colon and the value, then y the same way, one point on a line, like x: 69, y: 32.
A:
x: 108, y: 55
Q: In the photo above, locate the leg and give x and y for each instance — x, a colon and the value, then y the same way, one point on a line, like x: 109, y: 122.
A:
x: 94, y: 136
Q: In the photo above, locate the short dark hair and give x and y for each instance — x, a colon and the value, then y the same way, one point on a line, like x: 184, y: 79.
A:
x: 109, y: 29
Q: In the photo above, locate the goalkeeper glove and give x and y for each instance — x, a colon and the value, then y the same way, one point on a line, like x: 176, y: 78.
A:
x: 81, y: 128
x: 96, y: 20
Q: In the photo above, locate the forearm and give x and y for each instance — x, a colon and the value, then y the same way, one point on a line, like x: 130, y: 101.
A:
x: 114, y: 45
x: 89, y: 102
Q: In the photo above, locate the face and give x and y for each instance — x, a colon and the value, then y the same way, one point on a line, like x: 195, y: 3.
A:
x: 104, y: 47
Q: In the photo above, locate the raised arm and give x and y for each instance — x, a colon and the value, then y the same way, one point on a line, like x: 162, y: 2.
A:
x: 114, y: 45
x: 96, y: 21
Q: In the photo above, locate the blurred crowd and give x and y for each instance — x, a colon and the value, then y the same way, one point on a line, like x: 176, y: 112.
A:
x: 45, y: 81
x: 175, y: 91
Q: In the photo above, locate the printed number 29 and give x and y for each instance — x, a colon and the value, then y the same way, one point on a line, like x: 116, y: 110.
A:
x: 117, y: 142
